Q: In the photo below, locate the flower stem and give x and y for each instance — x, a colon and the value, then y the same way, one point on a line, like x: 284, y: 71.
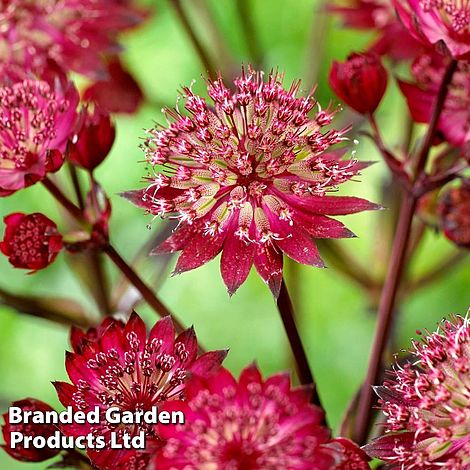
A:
x: 201, y: 51
x: 286, y: 310
x: 116, y: 258
x: 436, y: 114
x: 386, y: 308
x: 140, y: 285
x: 63, y: 200
x: 397, y: 267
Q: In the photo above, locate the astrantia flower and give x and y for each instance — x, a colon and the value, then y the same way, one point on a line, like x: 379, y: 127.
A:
x: 454, y: 214
x: 428, y: 71
x: 427, y: 404
x: 73, y: 33
x: 35, y: 122
x: 249, y: 176
x: 438, y: 22
x: 117, y: 365
x: 252, y: 424
x: 379, y: 16
x: 30, y: 241
x: 30, y: 454
x: 360, y: 81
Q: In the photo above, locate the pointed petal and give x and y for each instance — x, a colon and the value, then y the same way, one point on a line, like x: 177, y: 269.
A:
x: 136, y: 325
x: 65, y: 392
x: 383, y: 447
x: 165, y: 331
x: 301, y: 248
x: 208, y: 363
x: 199, y: 250
x: 268, y: 263
x: 236, y: 261
x: 176, y: 241
x: 189, y: 340
x: 332, y: 205
x: 321, y: 226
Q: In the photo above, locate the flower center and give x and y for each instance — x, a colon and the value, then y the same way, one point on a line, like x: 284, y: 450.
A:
x: 27, y: 122
x: 455, y: 13
x: 29, y: 244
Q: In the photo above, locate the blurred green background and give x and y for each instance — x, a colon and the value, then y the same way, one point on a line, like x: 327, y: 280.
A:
x: 334, y: 315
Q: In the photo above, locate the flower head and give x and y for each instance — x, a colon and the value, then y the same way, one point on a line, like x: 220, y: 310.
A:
x: 438, y: 22
x: 252, y: 424
x: 36, y: 120
x: 360, y: 82
x: 454, y: 214
x: 378, y: 16
x: 249, y: 176
x: 427, y: 403
x: 428, y: 71
x: 93, y: 141
x: 117, y: 365
x: 30, y: 241
x: 72, y: 33
x: 30, y: 454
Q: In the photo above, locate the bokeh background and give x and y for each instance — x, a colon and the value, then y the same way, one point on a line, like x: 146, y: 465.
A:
x: 336, y: 317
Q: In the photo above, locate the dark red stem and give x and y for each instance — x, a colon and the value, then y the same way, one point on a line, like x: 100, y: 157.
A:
x: 286, y: 309
x: 63, y: 200
x: 396, y: 268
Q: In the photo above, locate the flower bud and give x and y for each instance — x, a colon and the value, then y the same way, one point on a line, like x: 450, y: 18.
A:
x: 454, y: 214
x: 30, y: 454
x: 94, y: 140
x: 30, y: 241
x: 360, y: 82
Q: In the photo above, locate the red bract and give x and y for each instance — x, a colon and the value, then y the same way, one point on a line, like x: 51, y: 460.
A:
x: 379, y: 16
x: 252, y: 424
x: 438, y: 22
x: 117, y: 365
x: 428, y: 71
x: 30, y: 241
x: 118, y: 92
x: 92, y: 143
x: 30, y: 454
x: 360, y: 82
x: 35, y: 122
x: 427, y: 404
x: 73, y: 33
x: 454, y: 214
x: 248, y: 176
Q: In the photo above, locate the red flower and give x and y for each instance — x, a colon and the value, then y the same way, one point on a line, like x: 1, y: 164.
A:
x: 119, y: 92
x: 116, y: 365
x: 73, y: 33
x: 252, y: 424
x: 30, y: 454
x: 30, y: 241
x: 378, y: 15
x: 438, y: 22
x: 427, y: 404
x: 454, y: 213
x: 428, y: 71
x: 248, y: 176
x: 360, y: 82
x: 92, y: 143
x: 35, y: 122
